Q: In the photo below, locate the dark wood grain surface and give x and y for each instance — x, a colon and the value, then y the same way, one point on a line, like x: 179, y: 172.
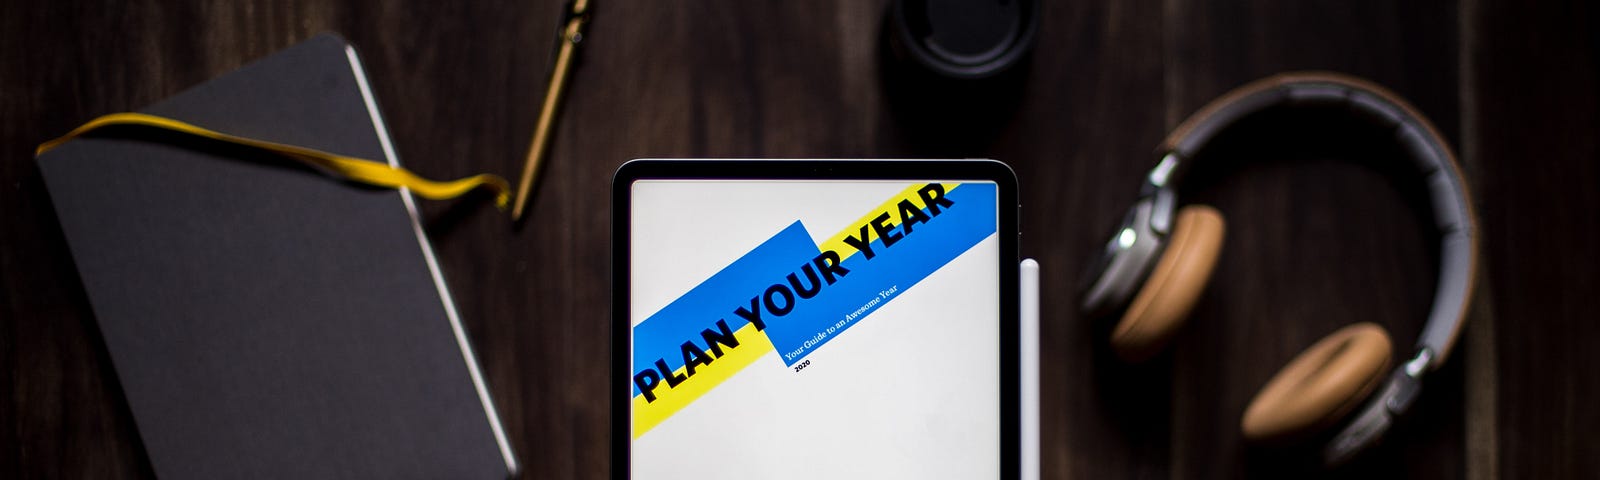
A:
x: 1316, y: 240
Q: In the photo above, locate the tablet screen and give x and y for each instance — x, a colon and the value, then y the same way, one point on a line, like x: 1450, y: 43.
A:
x: 813, y: 329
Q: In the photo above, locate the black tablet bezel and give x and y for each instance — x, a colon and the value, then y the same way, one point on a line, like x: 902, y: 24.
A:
x: 954, y: 170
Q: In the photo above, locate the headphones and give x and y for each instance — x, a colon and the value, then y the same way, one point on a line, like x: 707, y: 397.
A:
x: 1160, y: 258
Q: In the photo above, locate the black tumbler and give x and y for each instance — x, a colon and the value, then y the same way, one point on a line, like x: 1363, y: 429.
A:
x: 953, y: 70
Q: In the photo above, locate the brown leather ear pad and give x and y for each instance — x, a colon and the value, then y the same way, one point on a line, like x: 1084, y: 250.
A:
x: 1319, y: 386
x: 1163, y: 303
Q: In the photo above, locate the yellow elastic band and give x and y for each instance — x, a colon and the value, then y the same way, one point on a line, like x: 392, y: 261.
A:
x: 349, y: 168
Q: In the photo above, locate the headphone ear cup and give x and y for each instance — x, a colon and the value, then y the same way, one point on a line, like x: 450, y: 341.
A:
x: 1163, y: 302
x: 1320, y: 385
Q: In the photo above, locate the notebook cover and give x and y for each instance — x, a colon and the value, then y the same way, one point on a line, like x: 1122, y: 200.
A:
x: 268, y: 321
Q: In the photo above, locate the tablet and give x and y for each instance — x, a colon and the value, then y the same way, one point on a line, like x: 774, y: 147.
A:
x: 799, y: 319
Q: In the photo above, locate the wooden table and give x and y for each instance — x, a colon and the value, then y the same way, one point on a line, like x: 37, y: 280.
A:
x: 1315, y: 242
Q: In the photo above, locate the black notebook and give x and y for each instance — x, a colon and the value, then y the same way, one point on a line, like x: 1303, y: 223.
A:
x: 265, y: 320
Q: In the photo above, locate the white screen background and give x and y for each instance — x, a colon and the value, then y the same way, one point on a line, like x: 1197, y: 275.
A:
x: 912, y: 391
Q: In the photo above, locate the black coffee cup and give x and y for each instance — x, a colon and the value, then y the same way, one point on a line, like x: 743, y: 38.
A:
x: 953, y: 70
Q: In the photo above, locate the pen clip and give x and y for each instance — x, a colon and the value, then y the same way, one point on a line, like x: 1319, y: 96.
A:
x: 574, y: 19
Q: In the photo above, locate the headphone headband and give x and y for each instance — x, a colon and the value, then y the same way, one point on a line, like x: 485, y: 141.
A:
x: 1448, y: 195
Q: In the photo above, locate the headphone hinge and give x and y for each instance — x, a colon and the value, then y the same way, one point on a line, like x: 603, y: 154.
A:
x: 1408, y: 381
x: 1164, y: 198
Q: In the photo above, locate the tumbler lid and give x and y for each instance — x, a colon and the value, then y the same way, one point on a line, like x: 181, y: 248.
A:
x: 965, y: 38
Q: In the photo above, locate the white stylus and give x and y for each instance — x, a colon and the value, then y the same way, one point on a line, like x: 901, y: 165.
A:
x: 1028, y: 293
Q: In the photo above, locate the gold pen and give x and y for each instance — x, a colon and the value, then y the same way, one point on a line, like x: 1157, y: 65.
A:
x: 571, y: 34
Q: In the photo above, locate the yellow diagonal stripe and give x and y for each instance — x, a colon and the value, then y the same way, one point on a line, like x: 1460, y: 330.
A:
x: 836, y: 243
x: 754, y: 344
x: 358, y: 170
